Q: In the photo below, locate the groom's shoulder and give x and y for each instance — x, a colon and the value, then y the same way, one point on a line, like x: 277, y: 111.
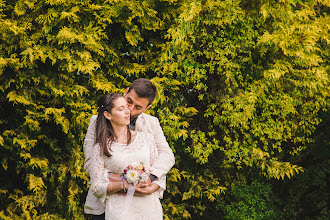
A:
x: 149, y: 118
x: 93, y: 119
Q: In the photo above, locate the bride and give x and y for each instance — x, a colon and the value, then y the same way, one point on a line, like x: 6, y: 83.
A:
x: 115, y: 147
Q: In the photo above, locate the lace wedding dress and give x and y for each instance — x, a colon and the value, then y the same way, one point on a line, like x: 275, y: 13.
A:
x: 142, y: 149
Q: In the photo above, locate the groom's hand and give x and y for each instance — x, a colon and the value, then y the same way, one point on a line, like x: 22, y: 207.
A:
x: 141, y: 189
x: 148, y: 181
x: 145, y: 190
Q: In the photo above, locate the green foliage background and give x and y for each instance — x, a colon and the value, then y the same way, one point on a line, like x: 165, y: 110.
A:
x: 243, y: 101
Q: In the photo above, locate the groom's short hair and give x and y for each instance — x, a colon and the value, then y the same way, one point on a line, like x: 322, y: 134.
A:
x: 144, y: 89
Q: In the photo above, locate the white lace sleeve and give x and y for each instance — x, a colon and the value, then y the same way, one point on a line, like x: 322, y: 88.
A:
x: 161, y: 181
x: 99, y: 176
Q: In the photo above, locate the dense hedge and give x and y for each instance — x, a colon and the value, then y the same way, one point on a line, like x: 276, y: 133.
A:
x: 243, y: 101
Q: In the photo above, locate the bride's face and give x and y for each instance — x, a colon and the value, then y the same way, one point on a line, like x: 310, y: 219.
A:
x: 120, y: 114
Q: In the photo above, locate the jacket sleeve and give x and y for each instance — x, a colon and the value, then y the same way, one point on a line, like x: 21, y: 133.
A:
x: 165, y: 160
x: 98, y: 174
x: 160, y: 181
x: 89, y: 143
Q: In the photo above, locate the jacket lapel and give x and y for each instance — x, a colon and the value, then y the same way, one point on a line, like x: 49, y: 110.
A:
x: 139, y: 123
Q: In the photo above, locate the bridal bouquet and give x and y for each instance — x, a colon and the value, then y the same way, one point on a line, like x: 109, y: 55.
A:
x: 136, y: 172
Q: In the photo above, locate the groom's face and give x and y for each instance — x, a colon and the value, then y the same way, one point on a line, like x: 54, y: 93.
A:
x: 136, y: 104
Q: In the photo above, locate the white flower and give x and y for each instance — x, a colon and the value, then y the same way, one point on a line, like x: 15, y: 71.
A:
x: 132, y: 176
x: 144, y: 177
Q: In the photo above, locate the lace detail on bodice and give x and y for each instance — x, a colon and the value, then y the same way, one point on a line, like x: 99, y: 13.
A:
x: 122, y: 154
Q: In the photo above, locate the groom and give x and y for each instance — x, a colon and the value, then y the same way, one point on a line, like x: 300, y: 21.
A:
x: 139, y: 97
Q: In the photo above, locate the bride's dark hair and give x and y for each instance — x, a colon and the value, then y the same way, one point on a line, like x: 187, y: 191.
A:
x: 104, y: 132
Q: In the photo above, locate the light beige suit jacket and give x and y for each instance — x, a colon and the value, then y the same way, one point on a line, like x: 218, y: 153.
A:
x: 144, y: 123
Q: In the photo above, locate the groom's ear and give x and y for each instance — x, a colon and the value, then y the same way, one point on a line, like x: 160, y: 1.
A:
x: 147, y: 108
x: 126, y: 91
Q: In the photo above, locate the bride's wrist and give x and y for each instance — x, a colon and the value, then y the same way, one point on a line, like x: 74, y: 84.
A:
x: 125, y: 186
x: 109, y: 188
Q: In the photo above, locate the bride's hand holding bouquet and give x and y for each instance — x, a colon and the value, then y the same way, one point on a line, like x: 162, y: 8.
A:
x: 137, y: 174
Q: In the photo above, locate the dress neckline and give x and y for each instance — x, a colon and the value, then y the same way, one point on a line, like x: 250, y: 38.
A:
x: 137, y: 133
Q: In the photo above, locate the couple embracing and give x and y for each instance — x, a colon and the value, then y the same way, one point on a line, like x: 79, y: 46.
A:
x: 122, y: 138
